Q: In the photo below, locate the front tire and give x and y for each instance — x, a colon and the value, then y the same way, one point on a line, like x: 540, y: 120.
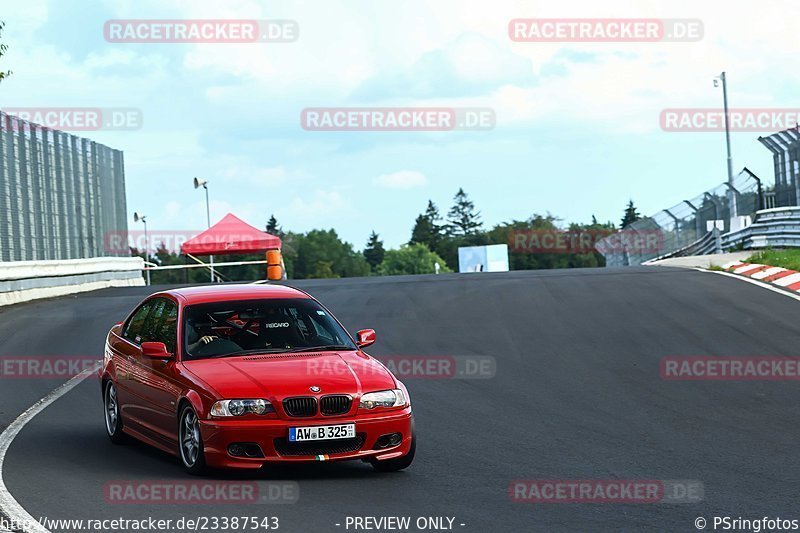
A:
x: 399, y: 463
x: 113, y: 416
x: 190, y: 442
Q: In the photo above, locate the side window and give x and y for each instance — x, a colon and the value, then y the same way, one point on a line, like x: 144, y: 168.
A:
x: 150, y: 329
x: 133, y: 329
x: 169, y: 326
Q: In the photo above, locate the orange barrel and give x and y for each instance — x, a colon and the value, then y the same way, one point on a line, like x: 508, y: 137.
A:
x: 274, y: 262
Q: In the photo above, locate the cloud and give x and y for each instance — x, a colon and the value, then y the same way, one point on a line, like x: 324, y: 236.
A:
x: 472, y: 64
x: 403, y: 179
x: 252, y: 176
x: 320, y: 209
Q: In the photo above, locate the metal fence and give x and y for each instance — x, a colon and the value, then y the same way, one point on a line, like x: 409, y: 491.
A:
x: 785, y: 148
x: 60, y: 195
x: 685, y: 226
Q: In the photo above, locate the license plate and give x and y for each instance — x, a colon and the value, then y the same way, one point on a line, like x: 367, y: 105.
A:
x: 342, y: 431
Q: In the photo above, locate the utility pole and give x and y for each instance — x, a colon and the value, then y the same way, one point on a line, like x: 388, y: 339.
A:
x: 204, y: 183
x: 732, y: 202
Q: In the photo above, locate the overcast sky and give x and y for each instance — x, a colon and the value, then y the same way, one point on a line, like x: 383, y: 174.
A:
x: 577, y: 124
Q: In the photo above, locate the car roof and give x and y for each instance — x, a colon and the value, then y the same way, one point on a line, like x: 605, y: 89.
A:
x: 233, y: 292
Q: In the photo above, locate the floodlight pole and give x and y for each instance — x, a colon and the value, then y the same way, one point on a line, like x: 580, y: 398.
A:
x: 732, y: 201
x: 143, y: 220
x: 204, y: 183
x: 208, y: 221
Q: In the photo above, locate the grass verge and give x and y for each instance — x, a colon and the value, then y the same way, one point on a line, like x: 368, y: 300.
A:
x: 789, y: 258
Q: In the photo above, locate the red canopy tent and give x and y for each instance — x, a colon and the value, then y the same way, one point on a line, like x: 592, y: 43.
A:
x: 231, y: 235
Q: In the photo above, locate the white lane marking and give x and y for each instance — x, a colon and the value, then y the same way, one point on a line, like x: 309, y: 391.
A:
x: 762, y: 284
x: 768, y: 272
x: 9, y: 506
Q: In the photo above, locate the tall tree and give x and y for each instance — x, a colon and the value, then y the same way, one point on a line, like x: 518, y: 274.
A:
x: 374, y: 251
x: 272, y: 226
x: 3, y: 49
x: 427, y: 228
x: 631, y: 215
x: 462, y: 218
x: 320, y: 251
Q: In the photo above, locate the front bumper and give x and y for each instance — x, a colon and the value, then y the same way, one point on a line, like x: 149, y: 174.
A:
x: 219, y: 434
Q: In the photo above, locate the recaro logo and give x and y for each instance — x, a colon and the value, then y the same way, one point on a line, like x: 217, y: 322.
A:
x: 277, y: 325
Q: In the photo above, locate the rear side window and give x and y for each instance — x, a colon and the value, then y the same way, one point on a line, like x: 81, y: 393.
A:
x: 150, y: 329
x: 167, y: 331
x: 133, y: 329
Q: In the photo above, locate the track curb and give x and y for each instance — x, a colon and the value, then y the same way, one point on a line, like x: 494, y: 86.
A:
x: 780, y: 277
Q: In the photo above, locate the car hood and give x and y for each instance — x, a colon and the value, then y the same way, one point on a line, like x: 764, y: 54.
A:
x: 278, y: 376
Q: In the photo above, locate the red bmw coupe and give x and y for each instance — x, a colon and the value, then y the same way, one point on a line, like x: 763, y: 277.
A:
x: 239, y: 376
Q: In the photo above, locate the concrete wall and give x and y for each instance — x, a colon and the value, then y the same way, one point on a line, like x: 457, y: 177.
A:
x: 21, y: 281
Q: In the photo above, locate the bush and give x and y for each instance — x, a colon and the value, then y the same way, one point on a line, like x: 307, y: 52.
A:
x: 411, y: 259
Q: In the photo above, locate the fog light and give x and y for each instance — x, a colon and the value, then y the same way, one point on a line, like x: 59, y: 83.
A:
x: 236, y: 450
x: 253, y: 450
x: 245, y: 449
x: 388, y: 440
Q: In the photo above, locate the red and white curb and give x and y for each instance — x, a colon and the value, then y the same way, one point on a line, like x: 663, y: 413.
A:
x: 781, y: 277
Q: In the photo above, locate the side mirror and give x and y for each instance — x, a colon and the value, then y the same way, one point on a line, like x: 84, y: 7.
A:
x: 155, y: 350
x: 365, y: 337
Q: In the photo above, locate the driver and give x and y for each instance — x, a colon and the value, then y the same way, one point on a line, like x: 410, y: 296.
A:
x: 194, y: 339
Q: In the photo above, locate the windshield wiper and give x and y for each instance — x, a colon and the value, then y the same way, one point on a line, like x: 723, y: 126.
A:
x: 329, y: 347
x: 254, y: 351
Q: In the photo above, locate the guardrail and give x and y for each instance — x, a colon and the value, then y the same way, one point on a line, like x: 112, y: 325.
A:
x: 707, y: 244
x: 771, y: 228
x: 21, y: 281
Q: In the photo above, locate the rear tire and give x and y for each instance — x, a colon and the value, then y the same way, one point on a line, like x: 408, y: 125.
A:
x: 190, y: 442
x: 399, y: 463
x: 113, y: 417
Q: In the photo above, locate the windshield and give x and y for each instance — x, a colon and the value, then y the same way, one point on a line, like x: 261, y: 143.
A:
x: 224, y: 329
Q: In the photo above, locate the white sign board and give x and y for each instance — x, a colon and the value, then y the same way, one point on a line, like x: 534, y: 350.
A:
x: 491, y: 258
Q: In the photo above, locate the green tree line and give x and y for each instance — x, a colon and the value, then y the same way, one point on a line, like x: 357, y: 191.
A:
x: 434, y: 239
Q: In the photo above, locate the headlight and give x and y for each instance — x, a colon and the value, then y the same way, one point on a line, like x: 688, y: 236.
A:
x: 241, y: 407
x: 386, y: 398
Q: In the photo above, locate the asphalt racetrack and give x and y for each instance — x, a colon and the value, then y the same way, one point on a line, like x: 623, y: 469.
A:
x: 576, y: 395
